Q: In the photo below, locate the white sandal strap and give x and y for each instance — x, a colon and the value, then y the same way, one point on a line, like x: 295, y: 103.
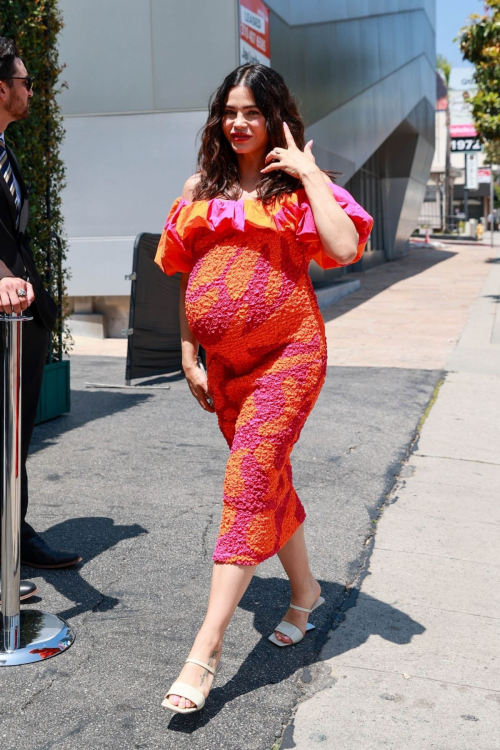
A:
x: 292, y: 631
x: 319, y: 601
x: 201, y: 664
x: 183, y: 690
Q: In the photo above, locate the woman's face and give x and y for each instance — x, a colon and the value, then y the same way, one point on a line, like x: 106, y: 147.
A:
x: 243, y: 123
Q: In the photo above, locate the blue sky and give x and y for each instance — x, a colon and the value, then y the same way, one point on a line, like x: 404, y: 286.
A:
x: 451, y: 15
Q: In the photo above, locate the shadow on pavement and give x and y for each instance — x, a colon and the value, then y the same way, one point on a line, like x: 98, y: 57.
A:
x: 382, y: 277
x: 89, y: 537
x: 267, y: 664
x: 86, y: 406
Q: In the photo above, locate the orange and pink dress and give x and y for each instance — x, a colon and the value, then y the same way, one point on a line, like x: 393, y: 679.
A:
x: 251, y: 305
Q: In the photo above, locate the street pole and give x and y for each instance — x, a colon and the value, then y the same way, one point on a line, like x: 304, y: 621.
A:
x: 466, y: 192
x: 30, y: 635
x: 492, y: 202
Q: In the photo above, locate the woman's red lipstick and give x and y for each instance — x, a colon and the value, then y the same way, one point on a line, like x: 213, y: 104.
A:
x: 240, y: 136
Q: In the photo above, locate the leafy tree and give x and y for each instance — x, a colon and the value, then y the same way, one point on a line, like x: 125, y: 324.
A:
x: 492, y: 152
x: 480, y: 45
x: 34, y: 26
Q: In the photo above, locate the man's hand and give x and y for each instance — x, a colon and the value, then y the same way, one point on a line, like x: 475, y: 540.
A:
x: 9, y: 299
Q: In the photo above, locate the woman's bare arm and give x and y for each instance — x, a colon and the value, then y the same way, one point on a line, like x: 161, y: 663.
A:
x: 197, y: 380
x: 336, y: 231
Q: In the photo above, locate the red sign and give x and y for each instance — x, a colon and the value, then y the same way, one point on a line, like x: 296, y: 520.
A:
x: 463, y: 131
x: 254, y: 33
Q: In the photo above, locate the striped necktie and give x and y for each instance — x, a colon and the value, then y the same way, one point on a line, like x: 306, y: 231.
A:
x: 7, y: 175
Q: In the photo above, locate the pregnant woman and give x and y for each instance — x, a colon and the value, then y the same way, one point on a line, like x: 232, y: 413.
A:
x: 242, y: 235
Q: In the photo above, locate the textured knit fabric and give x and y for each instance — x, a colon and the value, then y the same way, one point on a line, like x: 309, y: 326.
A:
x: 251, y: 305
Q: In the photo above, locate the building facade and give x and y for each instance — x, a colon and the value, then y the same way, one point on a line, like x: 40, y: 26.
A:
x: 470, y: 204
x: 140, y: 73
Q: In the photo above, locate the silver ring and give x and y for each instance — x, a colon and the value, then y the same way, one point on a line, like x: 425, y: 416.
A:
x: 21, y: 293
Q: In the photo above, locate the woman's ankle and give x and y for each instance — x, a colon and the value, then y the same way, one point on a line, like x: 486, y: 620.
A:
x: 209, y: 639
x: 305, y: 589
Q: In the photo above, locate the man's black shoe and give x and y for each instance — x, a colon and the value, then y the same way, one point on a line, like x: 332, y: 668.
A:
x: 27, y: 589
x: 37, y: 554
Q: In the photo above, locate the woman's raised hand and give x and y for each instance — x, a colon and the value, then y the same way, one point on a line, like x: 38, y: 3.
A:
x: 291, y: 160
x: 198, y: 385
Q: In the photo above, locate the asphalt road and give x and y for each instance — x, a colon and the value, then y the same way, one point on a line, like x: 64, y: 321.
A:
x: 132, y: 480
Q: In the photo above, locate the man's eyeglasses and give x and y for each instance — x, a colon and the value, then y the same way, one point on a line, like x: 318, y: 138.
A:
x: 28, y: 80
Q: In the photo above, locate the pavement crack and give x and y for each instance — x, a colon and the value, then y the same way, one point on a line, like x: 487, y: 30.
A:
x: 440, y: 557
x: 32, y: 698
x: 456, y: 458
x: 422, y: 677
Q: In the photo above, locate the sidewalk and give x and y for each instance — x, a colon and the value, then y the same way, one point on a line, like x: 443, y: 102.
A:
x: 414, y: 663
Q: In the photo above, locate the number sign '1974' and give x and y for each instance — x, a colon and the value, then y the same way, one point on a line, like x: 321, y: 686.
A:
x: 465, y: 145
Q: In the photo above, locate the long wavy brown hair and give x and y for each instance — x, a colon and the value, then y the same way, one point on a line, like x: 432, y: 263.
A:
x: 217, y: 164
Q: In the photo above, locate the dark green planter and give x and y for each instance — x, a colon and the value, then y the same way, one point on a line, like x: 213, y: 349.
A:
x: 55, y: 396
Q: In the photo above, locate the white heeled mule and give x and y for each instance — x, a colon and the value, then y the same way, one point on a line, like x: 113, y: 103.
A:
x: 292, y: 631
x: 190, y: 693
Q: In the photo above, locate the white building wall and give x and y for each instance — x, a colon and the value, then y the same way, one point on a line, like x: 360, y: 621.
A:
x: 139, y: 74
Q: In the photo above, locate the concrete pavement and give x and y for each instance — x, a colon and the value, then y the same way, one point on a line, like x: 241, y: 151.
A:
x: 132, y: 479
x: 414, y: 661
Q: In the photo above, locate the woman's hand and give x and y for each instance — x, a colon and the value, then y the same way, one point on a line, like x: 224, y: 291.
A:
x: 198, y: 385
x: 336, y: 230
x: 291, y: 160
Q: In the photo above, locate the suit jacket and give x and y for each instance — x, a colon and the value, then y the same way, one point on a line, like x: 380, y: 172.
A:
x: 16, y: 256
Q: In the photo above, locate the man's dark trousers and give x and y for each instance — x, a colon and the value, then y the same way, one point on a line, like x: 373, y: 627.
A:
x: 35, y: 345
x: 34, y: 353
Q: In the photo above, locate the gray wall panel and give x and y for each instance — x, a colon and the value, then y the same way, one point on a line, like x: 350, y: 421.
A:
x: 329, y: 63
x: 124, y: 172
x: 358, y: 128
x: 144, y: 55
x: 321, y: 11
x: 194, y: 48
x: 106, y: 45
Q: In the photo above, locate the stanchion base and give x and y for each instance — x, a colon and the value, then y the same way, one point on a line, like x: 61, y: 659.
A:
x: 42, y: 636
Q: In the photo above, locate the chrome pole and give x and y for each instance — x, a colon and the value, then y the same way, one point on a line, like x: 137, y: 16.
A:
x: 30, y: 635
x: 11, y: 490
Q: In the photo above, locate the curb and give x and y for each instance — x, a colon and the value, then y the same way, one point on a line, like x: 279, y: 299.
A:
x: 331, y: 294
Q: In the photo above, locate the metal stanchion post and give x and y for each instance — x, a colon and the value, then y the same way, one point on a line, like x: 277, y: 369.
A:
x: 492, y: 203
x: 30, y: 635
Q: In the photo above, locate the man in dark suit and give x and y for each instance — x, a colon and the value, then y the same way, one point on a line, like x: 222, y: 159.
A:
x: 21, y: 288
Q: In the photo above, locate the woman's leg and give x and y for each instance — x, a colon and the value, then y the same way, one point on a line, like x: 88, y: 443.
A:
x: 229, y: 583
x: 305, y: 588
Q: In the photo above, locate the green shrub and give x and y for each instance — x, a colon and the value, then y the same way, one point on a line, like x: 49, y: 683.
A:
x: 34, y: 26
x: 480, y: 45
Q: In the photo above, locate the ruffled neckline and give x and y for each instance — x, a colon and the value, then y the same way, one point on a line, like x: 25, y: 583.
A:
x: 290, y: 213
